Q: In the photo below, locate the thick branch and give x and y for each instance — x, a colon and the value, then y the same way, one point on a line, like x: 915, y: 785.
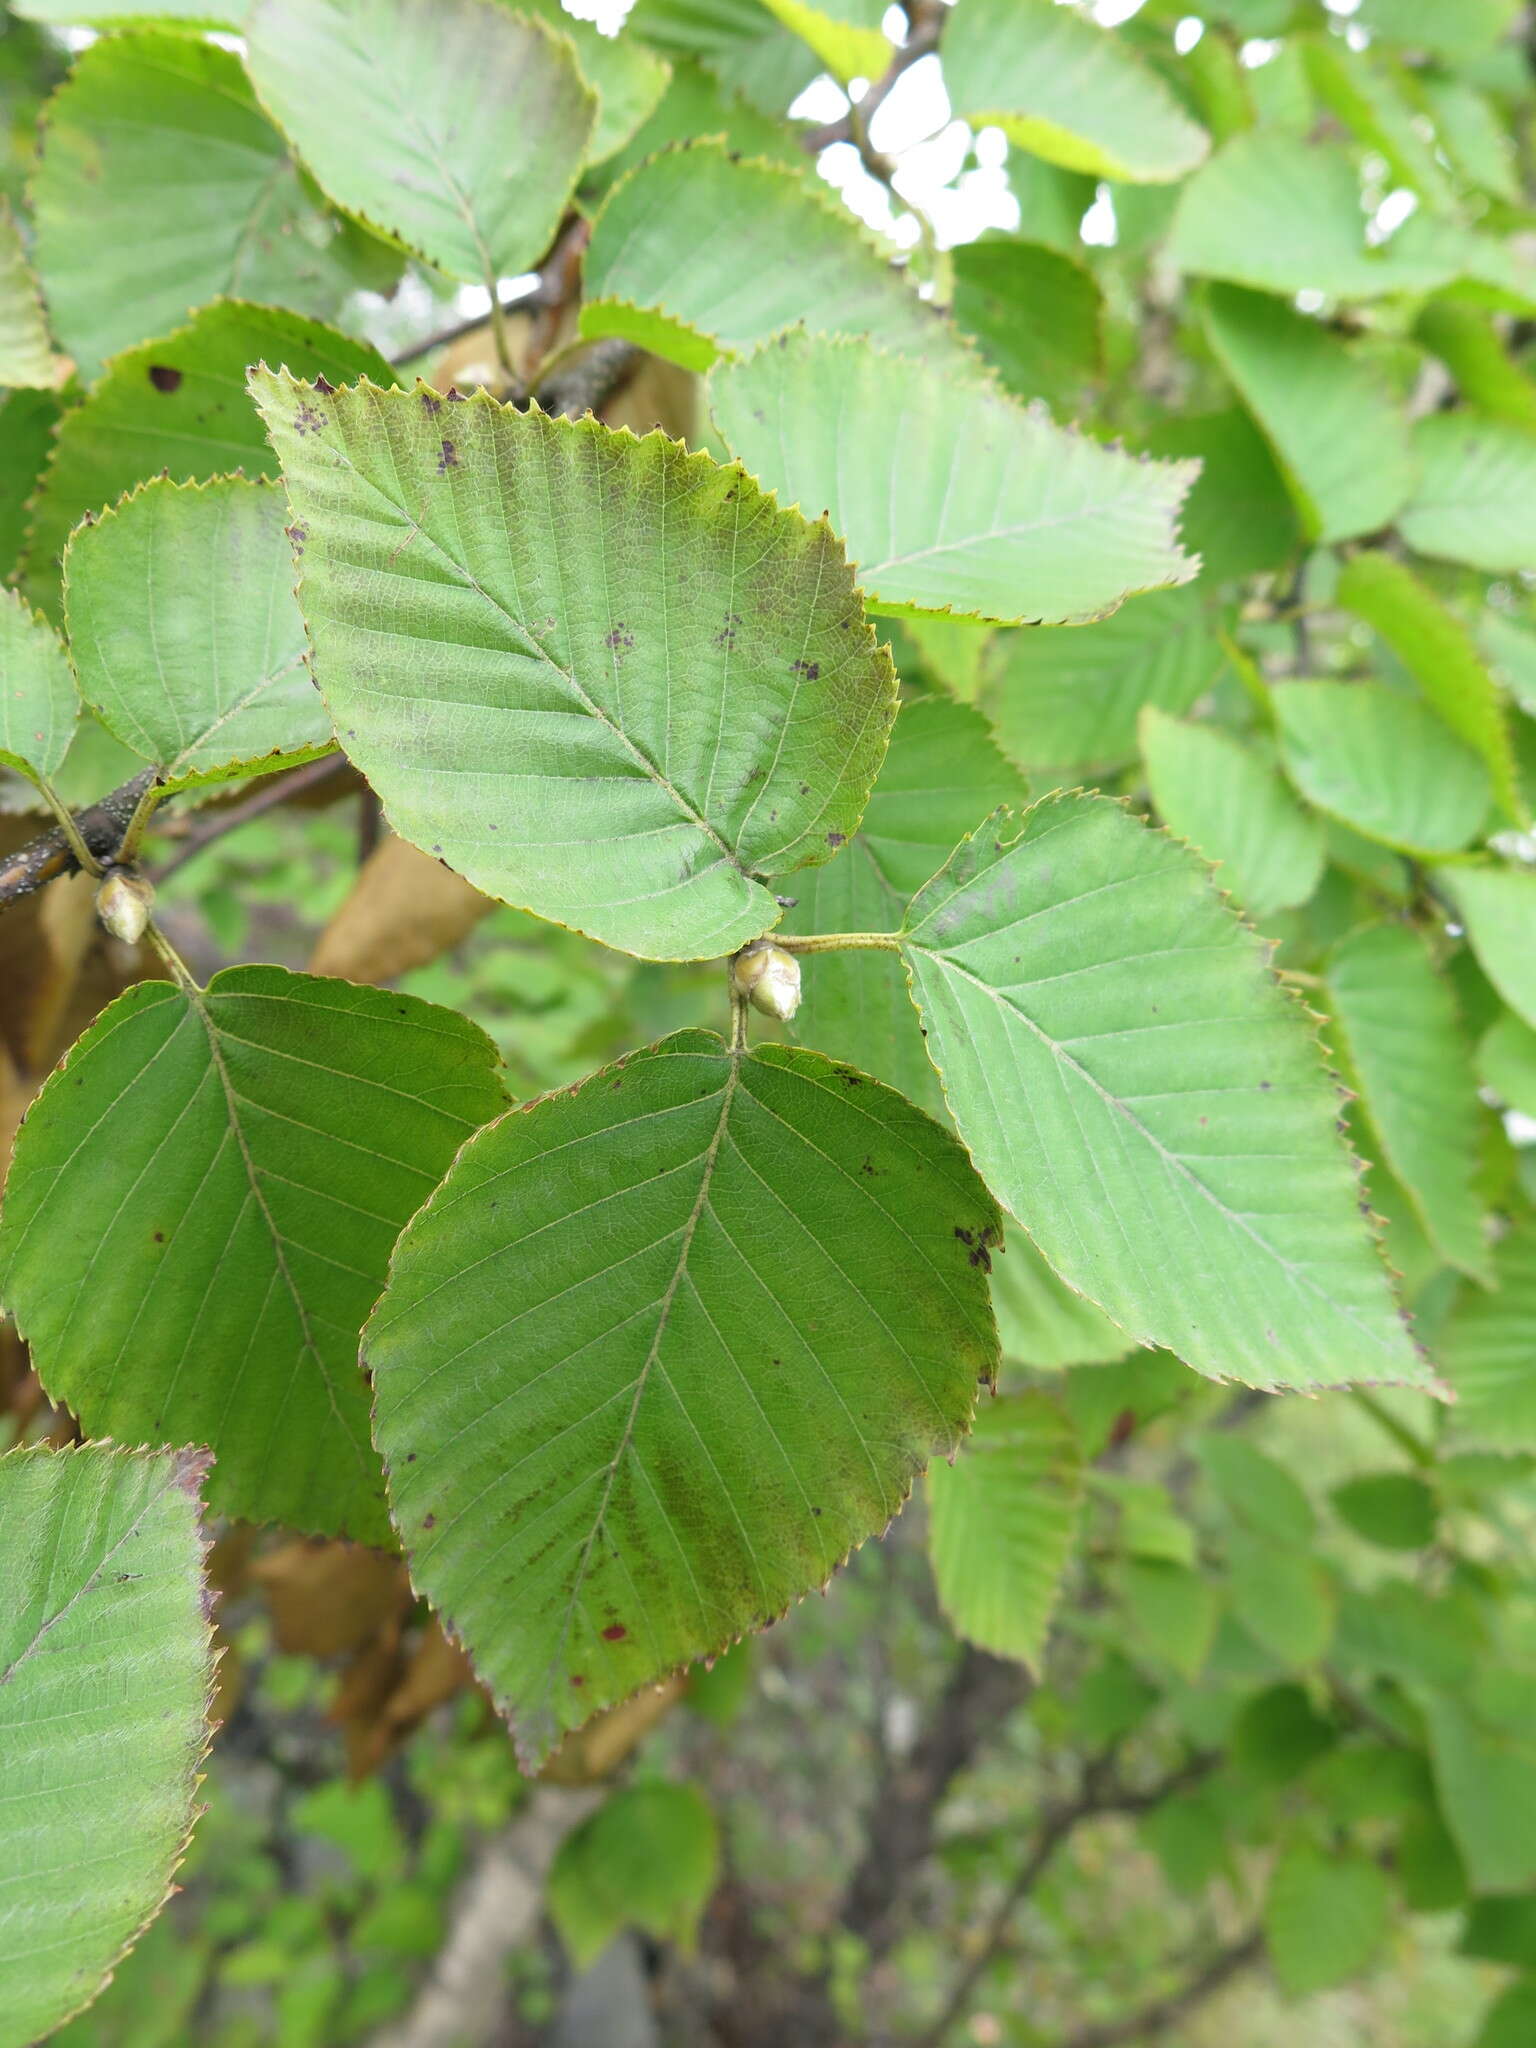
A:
x: 46, y: 857
x: 1155, y: 2018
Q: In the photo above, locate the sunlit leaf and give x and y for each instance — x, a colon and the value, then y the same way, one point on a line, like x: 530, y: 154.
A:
x: 1139, y: 1092
x: 950, y: 495
x: 106, y: 1665
x: 678, y: 1390
x: 201, y: 1210
x: 1498, y: 907
x: 631, y: 751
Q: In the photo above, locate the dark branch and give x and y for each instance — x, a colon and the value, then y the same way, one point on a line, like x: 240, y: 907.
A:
x: 587, y: 384
x: 1162, y: 2012
x: 46, y: 857
x: 926, y: 18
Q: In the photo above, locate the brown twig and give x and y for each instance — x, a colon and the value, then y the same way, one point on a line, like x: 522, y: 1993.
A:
x: 47, y: 857
x: 1101, y: 1793
x: 1155, y: 2018
x: 926, y: 19
x: 265, y: 797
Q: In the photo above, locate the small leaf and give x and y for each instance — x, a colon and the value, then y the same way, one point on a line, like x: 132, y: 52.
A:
x: 676, y: 1394
x: 186, y: 633
x: 1402, y: 1037
x: 1256, y: 1490
x: 1498, y: 907
x: 1067, y: 90
x: 1475, y: 500
x: 1486, y: 1777
x: 162, y: 185
x: 106, y: 1668
x: 1396, y: 1510
x: 1325, y: 1919
x: 1001, y: 1524
x: 1064, y: 699
x: 1383, y: 763
x: 1488, y: 1343
x: 647, y: 1858
x: 1440, y: 654
x: 695, y: 256
x: 1139, y: 1092
x: 1510, y: 2022
x: 950, y: 495
x: 39, y: 702
x: 456, y: 126
x: 1036, y: 315
x: 1173, y: 1612
x: 604, y: 679
x: 1340, y: 438
x: 177, y: 405
x: 1506, y: 1063
x: 942, y: 767
x: 1219, y: 795
x: 201, y: 1210
x: 1283, y: 1598
x: 26, y: 356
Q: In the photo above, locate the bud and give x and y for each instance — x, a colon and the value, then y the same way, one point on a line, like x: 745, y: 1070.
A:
x: 123, y: 903
x: 769, y: 978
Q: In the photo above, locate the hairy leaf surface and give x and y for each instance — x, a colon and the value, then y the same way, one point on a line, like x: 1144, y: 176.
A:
x: 604, y: 679
x: 696, y: 255
x: 186, y: 634
x: 457, y: 126
x: 106, y: 1667
x: 1061, y: 87
x: 1140, y: 1093
x: 950, y: 495
x: 201, y: 1211
x: 661, y: 1351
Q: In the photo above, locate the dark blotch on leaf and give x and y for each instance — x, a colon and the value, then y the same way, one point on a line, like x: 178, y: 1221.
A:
x: 837, y: 838
x: 811, y: 670
x: 324, y: 384
x: 449, y: 459
x: 615, y: 1632
x: 164, y: 377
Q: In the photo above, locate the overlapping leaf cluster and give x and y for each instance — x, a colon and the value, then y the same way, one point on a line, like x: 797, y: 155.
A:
x: 1117, y: 626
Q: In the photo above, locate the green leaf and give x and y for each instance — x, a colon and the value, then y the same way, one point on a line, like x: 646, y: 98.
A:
x: 1511, y: 648
x: 1036, y: 315
x: 1498, y: 908
x: 696, y: 256
x: 1285, y: 215
x: 1486, y: 1776
x: 1510, y: 2022
x: 1136, y: 1088
x: 1239, y: 517
x: 1150, y: 1526
x: 1340, y: 439
x: 1255, y: 1489
x: 1472, y: 349
x: 27, y: 422
x: 1402, y: 1036
x: 26, y: 356
x: 201, y: 1210
x: 696, y: 104
x: 1068, y: 698
x: 680, y: 1390
x: 1172, y: 1609
x: 604, y: 679
x: 1475, y: 501
x: 1488, y: 1348
x: 1283, y: 1598
x: 457, y: 127
x: 1065, y: 89
x: 745, y: 47
x: 647, y: 1858
x: 942, y: 770
x: 1001, y: 1524
x: 39, y: 702
x: 1325, y: 1918
x: 628, y: 79
x: 117, y: 13
x: 1441, y: 655
x: 106, y: 1671
x: 1506, y: 1063
x: 845, y: 34
x: 950, y: 495
x: 1457, y: 34
x: 1396, y: 1510
x: 1382, y: 763
x: 1225, y: 800
x: 162, y: 185
x: 178, y: 404
x: 186, y: 634
x: 1041, y: 1321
